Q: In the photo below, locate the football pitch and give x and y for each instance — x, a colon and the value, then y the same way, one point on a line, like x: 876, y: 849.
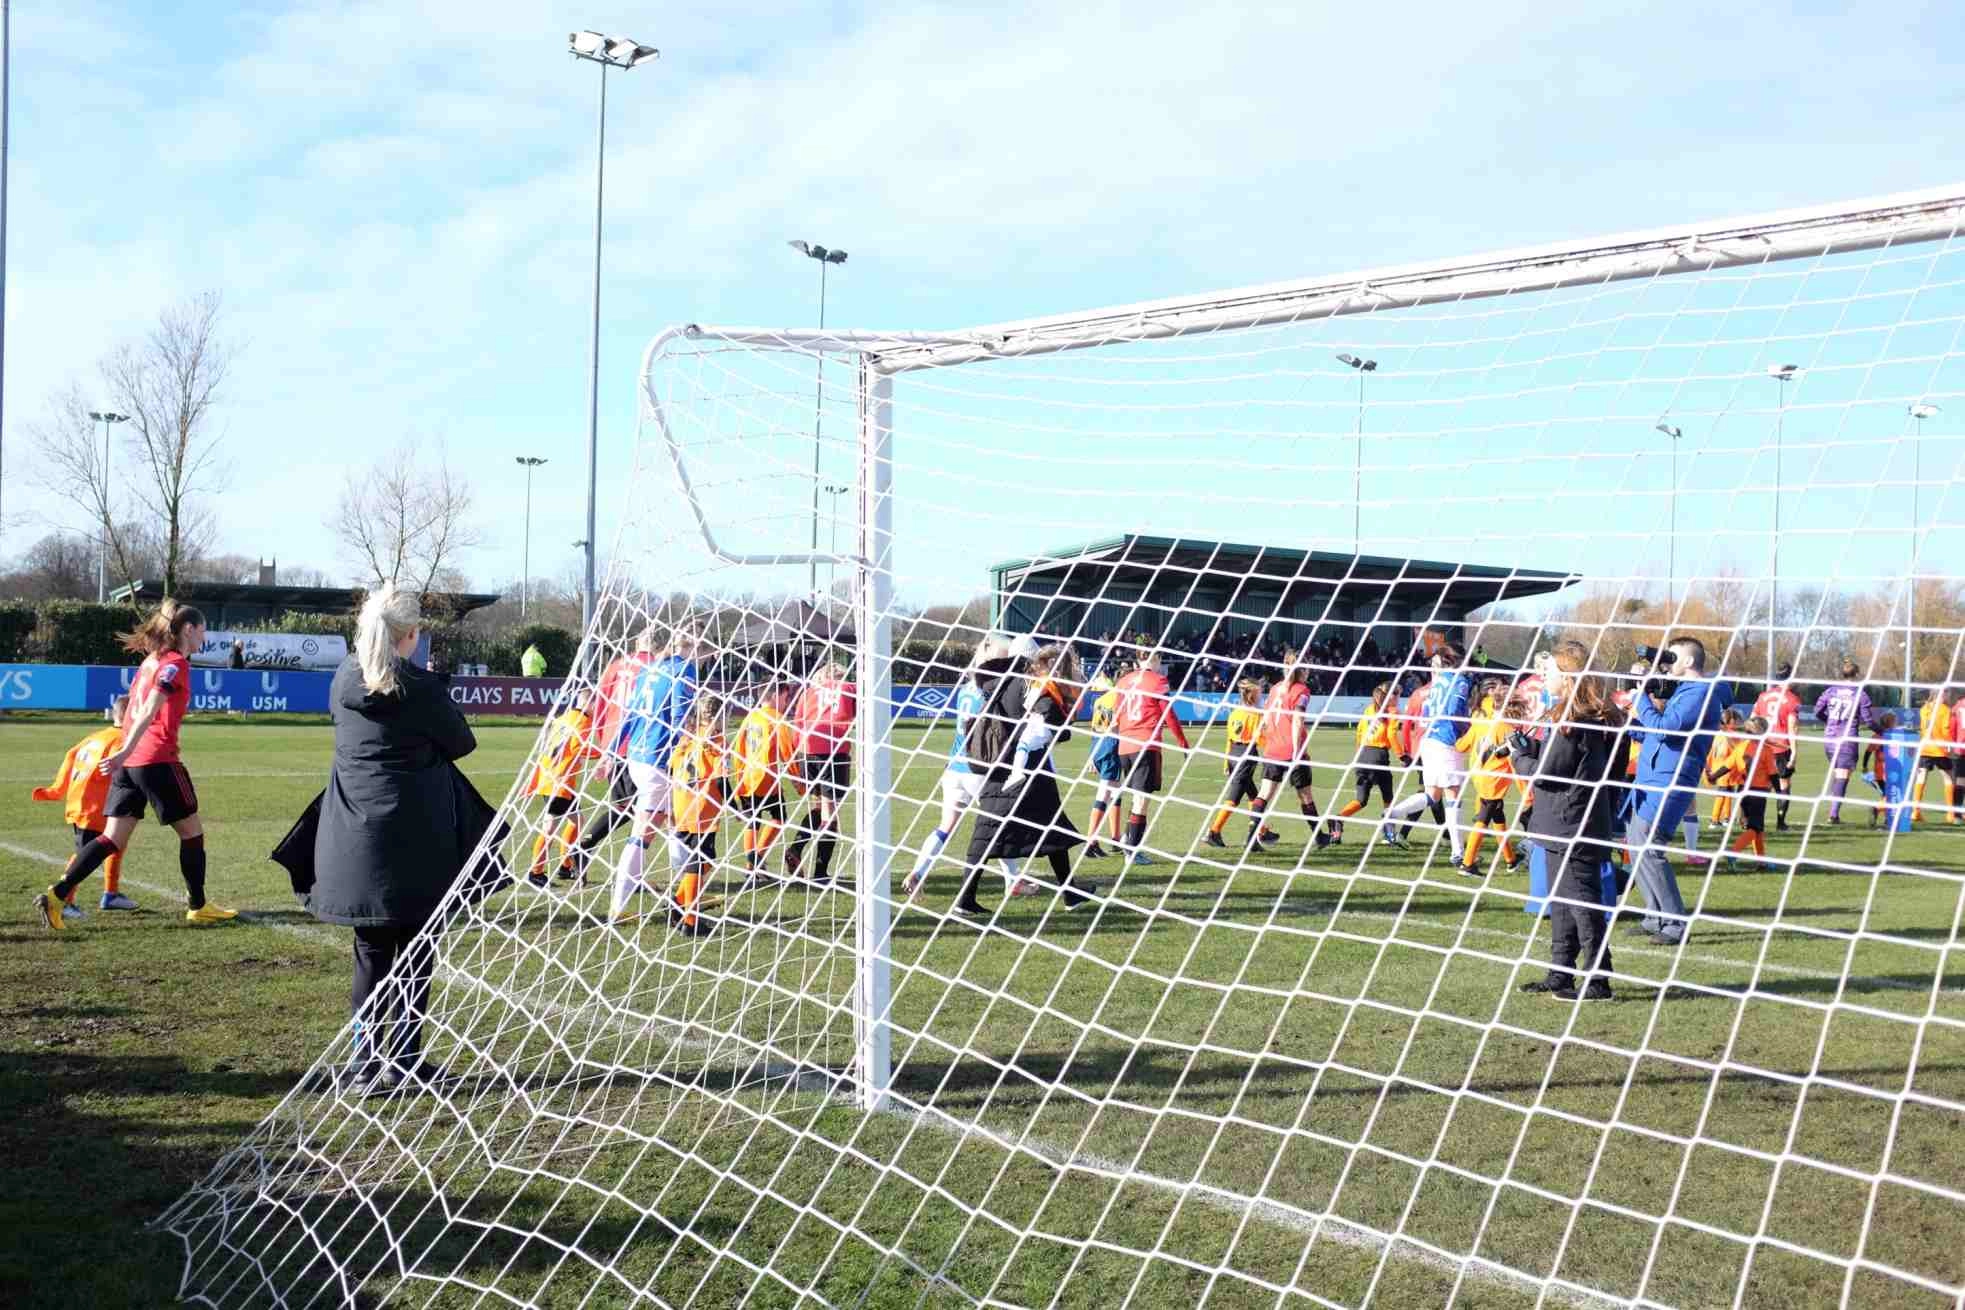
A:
x: 1337, y: 1035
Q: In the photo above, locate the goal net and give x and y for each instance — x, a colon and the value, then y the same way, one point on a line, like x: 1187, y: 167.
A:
x: 1027, y: 965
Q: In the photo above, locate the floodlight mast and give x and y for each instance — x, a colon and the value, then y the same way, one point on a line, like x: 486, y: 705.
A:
x: 1363, y: 366
x: 813, y: 250
x: 1671, y: 534
x: 1918, y: 413
x: 609, y: 52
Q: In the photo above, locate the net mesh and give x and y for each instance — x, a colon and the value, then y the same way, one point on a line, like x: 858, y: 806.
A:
x: 1271, y: 1047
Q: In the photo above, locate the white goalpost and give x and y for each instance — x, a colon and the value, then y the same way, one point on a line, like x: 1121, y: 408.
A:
x: 901, y: 1046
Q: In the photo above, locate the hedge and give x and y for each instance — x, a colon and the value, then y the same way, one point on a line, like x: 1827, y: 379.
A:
x: 83, y: 632
x: 18, y: 619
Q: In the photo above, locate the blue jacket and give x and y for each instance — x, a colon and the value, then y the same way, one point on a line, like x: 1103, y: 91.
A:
x: 1675, y: 740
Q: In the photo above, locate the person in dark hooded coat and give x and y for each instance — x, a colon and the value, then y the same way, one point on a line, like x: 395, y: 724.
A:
x: 1020, y: 814
x: 393, y: 834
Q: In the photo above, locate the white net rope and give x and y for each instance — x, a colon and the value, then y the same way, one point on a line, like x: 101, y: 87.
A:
x: 1217, y: 1065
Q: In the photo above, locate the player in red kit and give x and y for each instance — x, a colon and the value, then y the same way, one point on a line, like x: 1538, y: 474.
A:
x: 1146, y: 710
x: 147, y: 771
x: 823, y: 720
x: 1780, y: 707
x: 1285, y: 746
x: 606, y: 720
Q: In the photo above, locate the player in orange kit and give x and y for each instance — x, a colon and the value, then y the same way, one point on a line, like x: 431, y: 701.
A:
x: 697, y: 770
x: 1146, y: 710
x: 84, y: 787
x: 1371, y: 767
x: 1726, y: 763
x: 562, y: 760
x: 1243, y: 763
x: 763, y: 755
x: 1485, y: 744
x: 1759, y: 763
x: 1933, y: 755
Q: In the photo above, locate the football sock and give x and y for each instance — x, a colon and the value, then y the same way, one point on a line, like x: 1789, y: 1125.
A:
x: 84, y: 862
x: 627, y: 877
x: 936, y: 840
x: 191, y: 866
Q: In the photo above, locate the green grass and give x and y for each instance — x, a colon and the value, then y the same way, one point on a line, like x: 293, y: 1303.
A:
x: 1338, y: 1037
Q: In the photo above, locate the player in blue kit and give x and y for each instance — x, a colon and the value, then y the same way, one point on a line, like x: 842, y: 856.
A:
x: 1444, y: 717
x: 657, y: 713
x: 961, y: 785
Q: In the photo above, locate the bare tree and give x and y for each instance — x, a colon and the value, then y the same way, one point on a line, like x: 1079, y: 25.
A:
x: 402, y: 522
x: 60, y: 566
x: 168, y: 384
x: 75, y: 471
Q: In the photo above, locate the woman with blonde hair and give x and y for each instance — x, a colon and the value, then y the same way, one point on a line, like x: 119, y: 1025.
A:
x: 391, y: 837
x: 147, y: 770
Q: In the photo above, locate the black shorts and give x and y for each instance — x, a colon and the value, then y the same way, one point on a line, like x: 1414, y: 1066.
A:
x: 826, y: 775
x: 1494, y: 811
x: 766, y: 806
x: 1753, y: 811
x: 1373, y: 772
x: 1242, y: 780
x: 83, y: 836
x: 1297, y: 775
x: 698, y: 848
x: 559, y: 805
x: 1784, y: 765
x: 1140, y: 772
x: 166, y: 787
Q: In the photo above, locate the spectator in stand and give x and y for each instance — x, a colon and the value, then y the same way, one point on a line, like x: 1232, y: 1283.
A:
x: 1780, y: 707
x: 1843, y: 710
x: 1674, y: 718
x: 238, y: 656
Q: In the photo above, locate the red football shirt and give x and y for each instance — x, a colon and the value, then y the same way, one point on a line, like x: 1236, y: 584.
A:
x: 1144, y: 712
x: 170, y: 673
x: 1412, y: 720
x: 1778, y: 706
x: 1282, y: 722
x: 610, y: 700
x: 824, y: 716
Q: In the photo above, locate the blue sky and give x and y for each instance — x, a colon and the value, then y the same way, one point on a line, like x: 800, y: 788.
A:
x: 395, y: 198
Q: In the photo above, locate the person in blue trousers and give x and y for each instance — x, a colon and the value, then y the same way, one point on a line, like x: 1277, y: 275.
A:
x: 1673, y: 720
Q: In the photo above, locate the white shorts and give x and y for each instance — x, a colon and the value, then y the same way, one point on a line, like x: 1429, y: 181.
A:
x: 651, y: 788
x: 1440, y: 765
x: 961, y: 789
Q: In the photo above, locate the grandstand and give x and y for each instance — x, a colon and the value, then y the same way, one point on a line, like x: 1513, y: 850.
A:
x: 1216, y: 604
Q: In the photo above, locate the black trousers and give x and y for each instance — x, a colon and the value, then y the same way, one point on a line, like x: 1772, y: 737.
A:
x: 1581, y: 933
x: 393, y: 1030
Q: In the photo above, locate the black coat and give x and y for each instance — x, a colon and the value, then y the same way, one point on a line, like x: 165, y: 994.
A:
x: 1020, y: 819
x: 1573, y: 806
x: 395, y: 822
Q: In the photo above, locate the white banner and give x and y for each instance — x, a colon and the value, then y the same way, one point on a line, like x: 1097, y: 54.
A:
x: 273, y: 650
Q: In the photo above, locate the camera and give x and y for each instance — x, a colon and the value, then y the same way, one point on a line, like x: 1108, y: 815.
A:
x: 1520, y: 743
x: 1660, y: 661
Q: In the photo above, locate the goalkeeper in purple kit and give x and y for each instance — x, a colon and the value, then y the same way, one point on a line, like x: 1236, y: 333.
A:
x: 1843, y: 710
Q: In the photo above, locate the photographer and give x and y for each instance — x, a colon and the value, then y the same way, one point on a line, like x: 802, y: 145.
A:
x: 1672, y: 720
x: 1570, y: 822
